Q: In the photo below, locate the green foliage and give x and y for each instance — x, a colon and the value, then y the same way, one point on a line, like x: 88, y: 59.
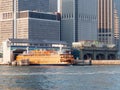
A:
x: 1, y: 55
x: 75, y: 53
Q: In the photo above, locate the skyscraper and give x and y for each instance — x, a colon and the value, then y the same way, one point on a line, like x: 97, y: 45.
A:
x: 79, y: 20
x: 53, y: 5
x: 34, y: 5
x: 106, y: 21
x: 116, y: 26
x: 38, y: 25
x: 9, y: 22
x: 117, y: 23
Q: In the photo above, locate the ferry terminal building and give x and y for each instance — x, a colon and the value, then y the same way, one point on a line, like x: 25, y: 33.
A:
x: 95, y: 50
x: 13, y: 47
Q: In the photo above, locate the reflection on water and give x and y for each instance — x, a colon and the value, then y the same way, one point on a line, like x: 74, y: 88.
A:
x: 60, y: 78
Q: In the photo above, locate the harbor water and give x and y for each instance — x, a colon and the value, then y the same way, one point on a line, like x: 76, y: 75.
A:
x: 60, y: 77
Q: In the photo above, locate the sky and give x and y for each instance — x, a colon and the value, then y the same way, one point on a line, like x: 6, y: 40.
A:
x: 58, y: 5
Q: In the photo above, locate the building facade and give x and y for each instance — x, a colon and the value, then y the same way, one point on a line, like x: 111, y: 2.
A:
x: 79, y: 20
x: 32, y: 25
x: 22, y: 5
x: 96, y: 20
x: 106, y: 21
x: 117, y: 22
x: 95, y: 50
x: 116, y: 27
x: 15, y: 24
x: 53, y: 5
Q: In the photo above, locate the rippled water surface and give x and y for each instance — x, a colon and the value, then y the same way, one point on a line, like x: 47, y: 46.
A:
x: 60, y: 78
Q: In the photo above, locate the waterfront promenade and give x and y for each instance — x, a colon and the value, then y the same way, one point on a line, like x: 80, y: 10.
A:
x: 97, y: 62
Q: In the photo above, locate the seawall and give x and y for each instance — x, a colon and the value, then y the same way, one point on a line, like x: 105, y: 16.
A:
x: 105, y: 62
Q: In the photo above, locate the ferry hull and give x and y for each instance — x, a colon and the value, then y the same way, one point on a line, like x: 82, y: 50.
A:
x: 45, y: 60
x: 44, y: 57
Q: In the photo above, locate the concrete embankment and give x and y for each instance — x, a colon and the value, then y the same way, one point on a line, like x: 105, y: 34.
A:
x: 97, y: 62
x: 82, y: 62
x: 1, y: 61
x: 105, y: 62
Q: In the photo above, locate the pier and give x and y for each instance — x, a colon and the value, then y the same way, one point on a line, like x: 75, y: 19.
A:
x: 82, y: 62
x: 105, y: 62
x: 97, y: 62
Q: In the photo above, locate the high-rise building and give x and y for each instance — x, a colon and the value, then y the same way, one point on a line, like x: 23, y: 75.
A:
x: 36, y: 25
x: 53, y: 5
x: 32, y: 25
x: 15, y: 24
x: 117, y: 23
x: 96, y: 20
x: 38, y: 5
x: 106, y: 21
x: 79, y: 20
x: 116, y: 26
x: 109, y: 21
x: 33, y: 5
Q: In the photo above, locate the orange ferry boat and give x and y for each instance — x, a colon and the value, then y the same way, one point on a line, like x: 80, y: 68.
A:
x: 46, y: 57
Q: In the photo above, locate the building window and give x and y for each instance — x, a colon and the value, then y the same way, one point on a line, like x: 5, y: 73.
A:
x: 7, y: 15
x: 72, y: 15
x: 109, y: 35
x: 69, y: 15
x: 100, y: 30
x: 4, y: 16
x: 64, y: 16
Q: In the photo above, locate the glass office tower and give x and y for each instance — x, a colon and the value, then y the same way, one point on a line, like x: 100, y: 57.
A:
x: 79, y: 20
x: 34, y: 5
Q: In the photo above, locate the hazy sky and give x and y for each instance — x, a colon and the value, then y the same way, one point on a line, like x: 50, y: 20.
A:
x: 58, y: 5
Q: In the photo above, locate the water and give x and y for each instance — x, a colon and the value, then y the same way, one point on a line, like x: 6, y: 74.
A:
x: 60, y: 78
